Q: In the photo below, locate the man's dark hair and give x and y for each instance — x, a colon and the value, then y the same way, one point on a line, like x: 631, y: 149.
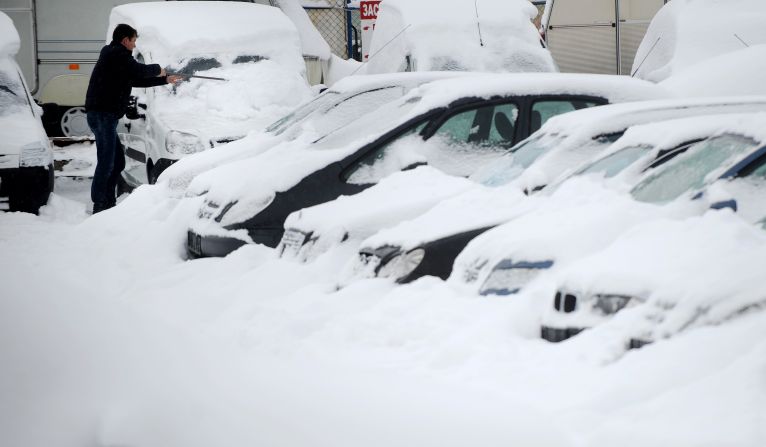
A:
x: 122, y: 31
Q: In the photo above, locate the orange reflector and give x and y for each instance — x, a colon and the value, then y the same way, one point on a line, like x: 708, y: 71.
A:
x: 74, y: 66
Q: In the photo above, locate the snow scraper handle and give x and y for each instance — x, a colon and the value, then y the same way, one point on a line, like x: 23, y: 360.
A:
x: 195, y: 76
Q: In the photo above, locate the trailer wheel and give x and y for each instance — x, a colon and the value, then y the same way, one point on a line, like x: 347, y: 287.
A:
x: 74, y: 123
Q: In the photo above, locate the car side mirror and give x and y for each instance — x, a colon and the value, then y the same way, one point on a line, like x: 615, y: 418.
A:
x: 731, y: 204
x: 132, y: 112
x: 412, y: 166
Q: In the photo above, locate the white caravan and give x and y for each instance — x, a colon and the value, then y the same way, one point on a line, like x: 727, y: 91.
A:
x: 596, y: 36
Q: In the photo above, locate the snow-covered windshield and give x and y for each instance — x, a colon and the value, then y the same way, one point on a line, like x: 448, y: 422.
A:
x: 502, y: 171
x: 12, y: 94
x: 613, y: 164
x: 369, y: 125
x: 690, y: 171
x: 320, y: 102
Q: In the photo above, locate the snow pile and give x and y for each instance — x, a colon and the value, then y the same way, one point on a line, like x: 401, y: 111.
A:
x: 9, y: 37
x: 489, y: 35
x: 171, y: 31
x: 715, y: 76
x: 312, y: 43
x: 686, y: 32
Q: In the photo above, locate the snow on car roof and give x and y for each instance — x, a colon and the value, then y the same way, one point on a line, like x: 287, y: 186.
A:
x: 172, y: 30
x: 685, y: 32
x: 491, y: 35
x: 739, y: 72
x: 671, y: 133
x: 9, y: 37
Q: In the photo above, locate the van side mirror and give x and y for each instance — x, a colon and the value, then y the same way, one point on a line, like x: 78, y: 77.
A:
x: 132, y: 112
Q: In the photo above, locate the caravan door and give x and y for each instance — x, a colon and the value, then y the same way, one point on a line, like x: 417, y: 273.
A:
x: 22, y: 12
x: 585, y: 36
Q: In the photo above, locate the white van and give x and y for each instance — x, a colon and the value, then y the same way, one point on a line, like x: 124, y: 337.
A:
x: 252, y: 52
x: 26, y: 159
x: 596, y: 36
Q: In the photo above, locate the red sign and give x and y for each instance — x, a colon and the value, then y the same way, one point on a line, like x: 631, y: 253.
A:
x: 368, y: 10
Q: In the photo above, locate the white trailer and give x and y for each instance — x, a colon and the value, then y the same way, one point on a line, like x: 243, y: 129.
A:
x: 60, y: 43
x: 597, y: 36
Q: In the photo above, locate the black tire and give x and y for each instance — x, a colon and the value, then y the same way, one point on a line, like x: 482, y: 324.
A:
x: 30, y: 189
x: 65, y: 121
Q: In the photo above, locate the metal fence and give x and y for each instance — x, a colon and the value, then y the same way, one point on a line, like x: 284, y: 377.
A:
x: 338, y: 25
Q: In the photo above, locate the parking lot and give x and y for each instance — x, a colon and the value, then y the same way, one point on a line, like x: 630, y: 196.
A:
x: 462, y: 242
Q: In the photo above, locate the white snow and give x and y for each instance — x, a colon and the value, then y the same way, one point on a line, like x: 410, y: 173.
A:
x: 714, y: 76
x: 686, y: 32
x: 171, y: 31
x: 489, y: 35
x: 9, y: 37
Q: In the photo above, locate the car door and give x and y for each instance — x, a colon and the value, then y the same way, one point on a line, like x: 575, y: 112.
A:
x: 457, y: 142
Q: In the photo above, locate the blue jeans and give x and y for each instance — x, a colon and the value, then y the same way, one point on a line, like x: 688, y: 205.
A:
x: 110, y: 159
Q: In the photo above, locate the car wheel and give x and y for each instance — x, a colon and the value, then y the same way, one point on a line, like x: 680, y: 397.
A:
x: 30, y: 189
x: 74, y: 123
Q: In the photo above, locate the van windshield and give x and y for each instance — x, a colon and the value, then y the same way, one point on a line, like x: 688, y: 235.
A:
x: 12, y: 93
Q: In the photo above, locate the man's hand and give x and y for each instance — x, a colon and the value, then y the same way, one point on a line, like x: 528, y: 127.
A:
x: 162, y: 73
x: 174, y: 79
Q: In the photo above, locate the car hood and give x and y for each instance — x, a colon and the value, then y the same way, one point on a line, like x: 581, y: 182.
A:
x: 398, y: 197
x: 18, y: 130
x: 478, y: 207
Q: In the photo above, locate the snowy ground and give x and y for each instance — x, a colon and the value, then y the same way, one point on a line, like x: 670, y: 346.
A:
x: 109, y: 337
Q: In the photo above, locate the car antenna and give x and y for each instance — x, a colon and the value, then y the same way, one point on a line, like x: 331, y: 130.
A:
x: 478, y: 23
x: 740, y: 39
x: 381, y: 48
x: 647, y: 55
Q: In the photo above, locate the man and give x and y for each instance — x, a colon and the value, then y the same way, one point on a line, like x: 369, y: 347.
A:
x: 115, y: 73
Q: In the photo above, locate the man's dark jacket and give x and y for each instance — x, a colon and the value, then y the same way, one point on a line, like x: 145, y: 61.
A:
x: 115, y: 73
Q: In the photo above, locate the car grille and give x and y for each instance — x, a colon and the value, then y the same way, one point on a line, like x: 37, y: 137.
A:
x: 556, y: 335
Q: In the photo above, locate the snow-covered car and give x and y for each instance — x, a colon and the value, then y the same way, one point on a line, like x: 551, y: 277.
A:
x: 687, y: 32
x: 735, y: 157
x: 436, y: 237
x: 713, y: 286
x: 347, y: 99
x: 488, y: 36
x: 26, y: 159
x: 254, y: 51
x: 474, y: 119
x: 663, y: 278
x: 390, y: 202
x: 505, y: 259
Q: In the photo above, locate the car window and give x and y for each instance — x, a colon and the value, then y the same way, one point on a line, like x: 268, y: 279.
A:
x: 491, y: 125
x: 391, y: 157
x: 613, y: 164
x: 544, y: 110
x: 246, y: 58
x: 12, y: 93
x: 689, y: 171
x: 195, y: 65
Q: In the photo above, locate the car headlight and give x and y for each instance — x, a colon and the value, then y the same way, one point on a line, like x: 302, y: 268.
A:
x: 611, y: 304
x: 182, y: 143
x: 508, y: 277
x: 402, y: 264
x: 35, y: 154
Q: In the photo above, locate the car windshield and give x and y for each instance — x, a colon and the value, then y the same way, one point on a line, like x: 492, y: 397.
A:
x: 319, y: 103
x: 614, y: 163
x: 369, y: 125
x: 12, y: 94
x: 690, y: 170
x: 508, y: 167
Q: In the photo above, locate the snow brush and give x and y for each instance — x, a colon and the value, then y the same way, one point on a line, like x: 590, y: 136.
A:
x: 186, y: 76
